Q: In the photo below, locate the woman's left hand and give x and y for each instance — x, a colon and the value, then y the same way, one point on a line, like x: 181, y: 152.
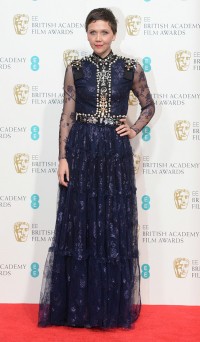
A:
x: 124, y: 129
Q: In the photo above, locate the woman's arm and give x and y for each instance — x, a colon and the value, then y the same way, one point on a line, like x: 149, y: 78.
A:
x: 141, y: 91
x: 66, y: 121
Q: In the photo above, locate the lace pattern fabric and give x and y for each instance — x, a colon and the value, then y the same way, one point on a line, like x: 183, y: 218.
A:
x: 141, y: 91
x: 92, y: 274
x: 68, y: 113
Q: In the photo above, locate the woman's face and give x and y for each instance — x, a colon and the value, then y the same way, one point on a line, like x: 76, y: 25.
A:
x: 100, y: 37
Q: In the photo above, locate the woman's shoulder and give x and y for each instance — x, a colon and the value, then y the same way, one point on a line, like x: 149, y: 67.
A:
x: 129, y: 63
x: 77, y: 63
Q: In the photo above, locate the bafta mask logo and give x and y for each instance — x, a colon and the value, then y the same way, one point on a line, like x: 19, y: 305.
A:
x: 181, y: 266
x: 69, y: 56
x: 182, y: 128
x: 21, y: 161
x: 20, y: 22
x: 181, y: 198
x: 136, y: 160
x: 21, y: 231
x: 133, y: 24
x: 21, y: 92
x: 183, y: 59
x: 132, y: 99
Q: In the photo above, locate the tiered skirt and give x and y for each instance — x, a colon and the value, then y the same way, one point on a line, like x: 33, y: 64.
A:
x: 91, y: 275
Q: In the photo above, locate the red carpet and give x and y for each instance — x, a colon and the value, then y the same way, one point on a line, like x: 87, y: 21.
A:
x: 18, y: 323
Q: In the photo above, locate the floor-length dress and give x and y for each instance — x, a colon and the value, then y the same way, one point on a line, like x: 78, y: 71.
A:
x: 92, y: 276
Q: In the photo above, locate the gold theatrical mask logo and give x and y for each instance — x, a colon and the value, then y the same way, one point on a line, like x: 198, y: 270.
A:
x: 182, y: 58
x: 69, y: 56
x: 21, y: 161
x: 181, y: 266
x: 181, y: 198
x: 20, y: 22
x: 21, y: 231
x: 136, y: 159
x: 182, y: 128
x: 132, y: 101
x: 133, y: 24
x: 21, y: 92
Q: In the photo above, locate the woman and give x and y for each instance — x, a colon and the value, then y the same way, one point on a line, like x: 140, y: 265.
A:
x: 91, y: 276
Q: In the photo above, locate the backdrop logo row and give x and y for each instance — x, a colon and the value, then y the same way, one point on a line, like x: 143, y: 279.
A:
x: 182, y: 59
x: 21, y: 95
x: 181, y: 196
x: 181, y: 127
x: 181, y: 265
x: 133, y: 24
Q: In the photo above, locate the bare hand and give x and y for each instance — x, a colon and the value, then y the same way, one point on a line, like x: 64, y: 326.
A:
x: 63, y: 169
x: 124, y: 129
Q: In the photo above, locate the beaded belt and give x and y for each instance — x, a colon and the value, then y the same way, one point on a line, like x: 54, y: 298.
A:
x: 90, y: 118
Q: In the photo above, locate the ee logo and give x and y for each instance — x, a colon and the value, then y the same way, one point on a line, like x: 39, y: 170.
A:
x: 145, y: 202
x: 35, y: 270
x: 146, y: 64
x: 35, y: 132
x: 146, y: 136
x: 145, y: 271
x: 35, y: 63
x: 35, y: 201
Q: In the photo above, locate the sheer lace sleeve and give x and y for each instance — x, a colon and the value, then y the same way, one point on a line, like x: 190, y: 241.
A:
x: 141, y: 91
x: 68, y: 113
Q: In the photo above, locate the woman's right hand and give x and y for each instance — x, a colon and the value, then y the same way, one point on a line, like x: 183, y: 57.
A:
x: 63, y: 169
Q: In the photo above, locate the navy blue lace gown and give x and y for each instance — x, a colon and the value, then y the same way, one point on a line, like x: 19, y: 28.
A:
x: 92, y: 276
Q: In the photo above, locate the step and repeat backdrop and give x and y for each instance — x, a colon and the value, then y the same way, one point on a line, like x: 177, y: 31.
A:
x: 38, y: 40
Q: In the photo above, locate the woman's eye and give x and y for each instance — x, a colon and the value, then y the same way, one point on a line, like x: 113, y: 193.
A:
x: 103, y: 32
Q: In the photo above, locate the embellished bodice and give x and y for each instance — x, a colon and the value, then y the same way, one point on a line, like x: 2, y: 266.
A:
x: 96, y: 90
x: 103, y: 85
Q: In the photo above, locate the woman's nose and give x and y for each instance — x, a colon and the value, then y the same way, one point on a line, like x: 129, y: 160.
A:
x: 98, y: 37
